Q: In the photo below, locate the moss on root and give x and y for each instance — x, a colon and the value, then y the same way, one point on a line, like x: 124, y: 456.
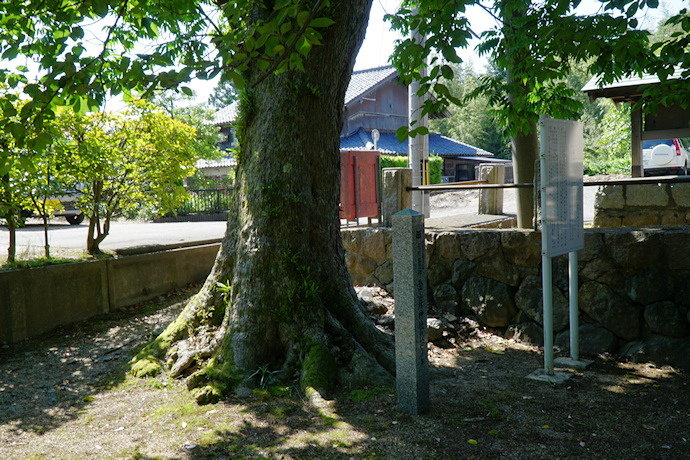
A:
x: 147, y: 363
x: 319, y: 370
x: 215, y: 380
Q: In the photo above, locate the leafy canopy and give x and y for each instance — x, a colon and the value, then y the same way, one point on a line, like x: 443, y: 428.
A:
x: 83, y: 51
x: 535, y: 45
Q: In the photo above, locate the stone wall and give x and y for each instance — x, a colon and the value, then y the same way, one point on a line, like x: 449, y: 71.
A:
x: 638, y: 205
x: 634, y: 286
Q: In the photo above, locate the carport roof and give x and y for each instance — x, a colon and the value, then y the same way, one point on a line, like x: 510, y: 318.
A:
x: 625, y: 89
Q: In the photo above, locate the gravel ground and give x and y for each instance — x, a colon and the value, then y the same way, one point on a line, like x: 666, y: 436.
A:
x: 68, y: 396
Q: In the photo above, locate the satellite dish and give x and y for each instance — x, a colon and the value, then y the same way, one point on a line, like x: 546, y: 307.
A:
x: 375, y: 135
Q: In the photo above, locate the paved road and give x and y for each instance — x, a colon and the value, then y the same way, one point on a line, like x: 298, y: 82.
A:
x: 129, y: 234
x: 122, y: 234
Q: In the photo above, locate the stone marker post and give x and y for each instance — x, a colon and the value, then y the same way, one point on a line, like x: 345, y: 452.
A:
x: 409, y: 276
x: 396, y: 197
x: 491, y: 200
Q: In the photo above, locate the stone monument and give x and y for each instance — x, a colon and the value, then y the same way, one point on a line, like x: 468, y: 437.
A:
x: 409, y: 277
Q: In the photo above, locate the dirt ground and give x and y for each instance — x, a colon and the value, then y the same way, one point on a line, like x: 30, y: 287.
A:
x: 67, y: 396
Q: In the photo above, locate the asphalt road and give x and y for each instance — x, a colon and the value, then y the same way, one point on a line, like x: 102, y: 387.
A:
x: 125, y: 234
x: 129, y: 234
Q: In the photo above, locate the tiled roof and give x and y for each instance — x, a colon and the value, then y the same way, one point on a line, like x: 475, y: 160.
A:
x: 226, y: 115
x: 388, y: 144
x: 222, y: 163
x: 364, y: 80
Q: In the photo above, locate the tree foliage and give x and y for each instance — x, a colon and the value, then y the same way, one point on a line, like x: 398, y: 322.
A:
x: 124, y: 162
x: 223, y: 94
x: 473, y: 122
x: 200, y: 116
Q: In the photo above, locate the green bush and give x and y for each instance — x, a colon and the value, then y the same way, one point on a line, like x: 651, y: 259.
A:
x: 400, y: 161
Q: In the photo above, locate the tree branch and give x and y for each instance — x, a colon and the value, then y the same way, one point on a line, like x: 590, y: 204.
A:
x: 292, y: 45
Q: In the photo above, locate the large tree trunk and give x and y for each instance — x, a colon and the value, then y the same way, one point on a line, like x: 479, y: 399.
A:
x: 280, y: 294
x: 525, y: 143
x: 524, y: 148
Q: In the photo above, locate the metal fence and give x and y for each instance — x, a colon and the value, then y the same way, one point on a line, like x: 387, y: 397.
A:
x: 206, y: 201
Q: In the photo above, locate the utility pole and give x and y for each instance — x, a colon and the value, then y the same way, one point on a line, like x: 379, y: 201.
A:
x: 418, y: 146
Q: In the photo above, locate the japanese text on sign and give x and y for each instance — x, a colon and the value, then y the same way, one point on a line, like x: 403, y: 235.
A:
x: 561, y: 186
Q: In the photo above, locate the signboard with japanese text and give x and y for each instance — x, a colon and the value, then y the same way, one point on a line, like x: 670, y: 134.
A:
x: 561, y: 186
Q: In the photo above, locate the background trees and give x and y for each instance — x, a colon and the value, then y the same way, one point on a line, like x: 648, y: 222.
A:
x: 123, y: 162
x: 535, y: 46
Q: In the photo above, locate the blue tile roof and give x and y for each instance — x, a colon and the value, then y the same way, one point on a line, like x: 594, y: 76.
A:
x: 388, y: 144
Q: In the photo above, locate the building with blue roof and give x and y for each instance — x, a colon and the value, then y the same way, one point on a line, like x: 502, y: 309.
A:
x: 377, y: 99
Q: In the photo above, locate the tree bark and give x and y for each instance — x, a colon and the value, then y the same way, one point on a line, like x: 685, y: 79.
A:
x: 279, y: 296
x: 11, y: 220
x: 524, y: 148
x: 525, y: 143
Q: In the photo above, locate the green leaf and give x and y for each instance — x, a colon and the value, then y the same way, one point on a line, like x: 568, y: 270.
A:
x: 402, y: 134
x: 99, y: 7
x: 447, y: 72
x: 42, y: 141
x: 321, y: 22
x: 188, y: 91
x: 302, y: 18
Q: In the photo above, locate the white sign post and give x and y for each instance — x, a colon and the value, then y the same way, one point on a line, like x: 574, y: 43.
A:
x: 560, y: 154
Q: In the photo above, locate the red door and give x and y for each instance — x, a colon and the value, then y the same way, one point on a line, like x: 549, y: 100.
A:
x: 358, y: 184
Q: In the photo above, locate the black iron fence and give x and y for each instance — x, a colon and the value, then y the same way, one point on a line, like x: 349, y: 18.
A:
x: 203, y: 201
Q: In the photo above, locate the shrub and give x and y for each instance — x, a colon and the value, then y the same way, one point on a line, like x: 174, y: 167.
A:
x: 400, y: 161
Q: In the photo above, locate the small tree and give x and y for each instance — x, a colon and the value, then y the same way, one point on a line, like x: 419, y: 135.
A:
x: 122, y: 162
x: 535, y: 45
x: 39, y: 185
x: 10, y: 194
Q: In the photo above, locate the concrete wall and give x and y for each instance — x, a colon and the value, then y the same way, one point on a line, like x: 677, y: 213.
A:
x: 634, y: 285
x: 36, y: 300
x: 639, y: 205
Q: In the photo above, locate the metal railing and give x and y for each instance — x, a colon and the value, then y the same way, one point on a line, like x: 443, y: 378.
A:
x: 202, y: 201
x: 478, y: 185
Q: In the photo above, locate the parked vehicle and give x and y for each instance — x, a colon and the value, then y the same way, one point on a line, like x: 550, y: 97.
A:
x: 665, y: 156
x: 64, y: 206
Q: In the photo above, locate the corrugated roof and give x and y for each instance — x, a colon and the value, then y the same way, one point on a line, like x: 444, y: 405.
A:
x: 388, y: 144
x: 628, y: 81
x: 364, y: 80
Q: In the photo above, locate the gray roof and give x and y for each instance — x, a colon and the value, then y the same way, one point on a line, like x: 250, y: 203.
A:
x: 625, y: 86
x: 363, y: 81
x: 226, y: 115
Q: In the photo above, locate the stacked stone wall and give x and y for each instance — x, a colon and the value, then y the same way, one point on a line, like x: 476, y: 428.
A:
x: 639, y: 205
x: 634, y: 285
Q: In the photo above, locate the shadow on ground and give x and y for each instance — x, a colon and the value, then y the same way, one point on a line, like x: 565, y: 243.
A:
x: 49, y: 381
x: 66, y: 396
